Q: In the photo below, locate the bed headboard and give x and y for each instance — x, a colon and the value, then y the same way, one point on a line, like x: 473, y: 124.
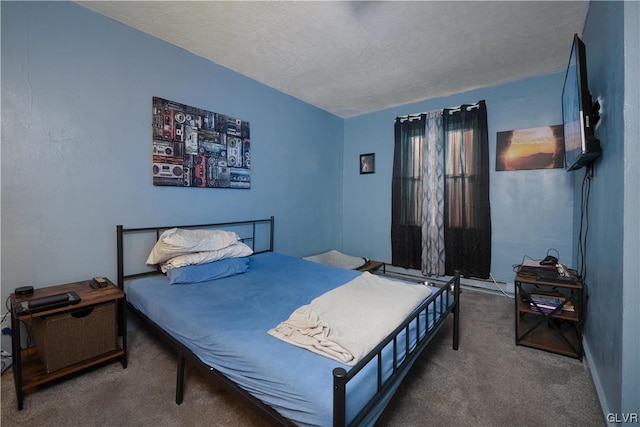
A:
x: 258, y: 234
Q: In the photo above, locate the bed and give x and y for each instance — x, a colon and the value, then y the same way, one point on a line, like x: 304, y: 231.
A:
x: 221, y: 326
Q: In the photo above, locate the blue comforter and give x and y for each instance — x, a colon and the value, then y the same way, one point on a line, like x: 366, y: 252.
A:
x: 225, y: 323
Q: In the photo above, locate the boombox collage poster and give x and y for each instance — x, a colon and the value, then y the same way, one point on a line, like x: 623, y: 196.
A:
x: 193, y: 147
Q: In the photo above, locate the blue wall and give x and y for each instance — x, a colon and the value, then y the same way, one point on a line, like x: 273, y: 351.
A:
x: 631, y: 246
x: 76, y: 146
x: 611, y: 332
x: 531, y: 211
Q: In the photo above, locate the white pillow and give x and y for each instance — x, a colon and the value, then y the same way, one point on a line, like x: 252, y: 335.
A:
x: 236, y: 250
x: 177, y: 241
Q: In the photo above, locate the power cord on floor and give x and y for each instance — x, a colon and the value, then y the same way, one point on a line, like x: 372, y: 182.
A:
x: 499, y: 288
x: 5, y: 356
x: 6, y: 361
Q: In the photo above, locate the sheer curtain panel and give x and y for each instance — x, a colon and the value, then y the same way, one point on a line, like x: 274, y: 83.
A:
x: 433, y: 249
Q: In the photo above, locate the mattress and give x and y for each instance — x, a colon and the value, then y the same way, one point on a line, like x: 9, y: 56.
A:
x: 225, y: 322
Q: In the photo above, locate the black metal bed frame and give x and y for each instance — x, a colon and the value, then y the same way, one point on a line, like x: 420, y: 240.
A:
x: 446, y: 300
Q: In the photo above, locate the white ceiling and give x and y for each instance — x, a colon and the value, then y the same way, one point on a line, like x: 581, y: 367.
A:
x: 351, y: 58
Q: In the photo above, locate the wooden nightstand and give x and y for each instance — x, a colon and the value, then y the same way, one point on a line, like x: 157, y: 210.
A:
x: 558, y: 328
x: 100, y: 312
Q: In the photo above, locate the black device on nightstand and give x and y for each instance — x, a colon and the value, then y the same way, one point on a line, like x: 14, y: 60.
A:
x: 99, y: 282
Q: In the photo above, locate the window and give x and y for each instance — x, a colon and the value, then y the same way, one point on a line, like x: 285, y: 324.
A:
x: 406, y: 192
x: 440, y: 219
x: 460, y: 178
x: 467, y: 228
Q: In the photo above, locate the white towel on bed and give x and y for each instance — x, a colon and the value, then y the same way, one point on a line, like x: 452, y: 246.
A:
x: 338, y: 259
x: 347, y: 322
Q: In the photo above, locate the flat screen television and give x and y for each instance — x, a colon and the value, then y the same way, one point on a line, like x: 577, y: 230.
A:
x: 581, y: 147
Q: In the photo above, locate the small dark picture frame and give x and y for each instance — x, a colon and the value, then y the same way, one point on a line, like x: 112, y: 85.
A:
x: 367, y: 163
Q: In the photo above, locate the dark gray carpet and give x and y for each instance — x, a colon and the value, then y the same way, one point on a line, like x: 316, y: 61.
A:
x: 489, y: 381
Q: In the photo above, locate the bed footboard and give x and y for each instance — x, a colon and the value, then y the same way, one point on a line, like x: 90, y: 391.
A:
x: 447, y: 301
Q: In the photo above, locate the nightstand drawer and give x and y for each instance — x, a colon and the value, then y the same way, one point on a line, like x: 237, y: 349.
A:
x: 74, y: 336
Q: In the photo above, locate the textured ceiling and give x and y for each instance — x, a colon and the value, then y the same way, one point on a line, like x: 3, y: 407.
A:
x: 351, y: 58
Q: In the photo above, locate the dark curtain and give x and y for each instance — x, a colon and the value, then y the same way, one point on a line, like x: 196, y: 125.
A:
x: 406, y: 192
x: 467, y: 228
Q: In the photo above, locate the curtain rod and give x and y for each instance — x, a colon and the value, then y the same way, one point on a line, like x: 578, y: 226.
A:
x: 452, y: 110
x: 410, y: 117
x: 459, y: 107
